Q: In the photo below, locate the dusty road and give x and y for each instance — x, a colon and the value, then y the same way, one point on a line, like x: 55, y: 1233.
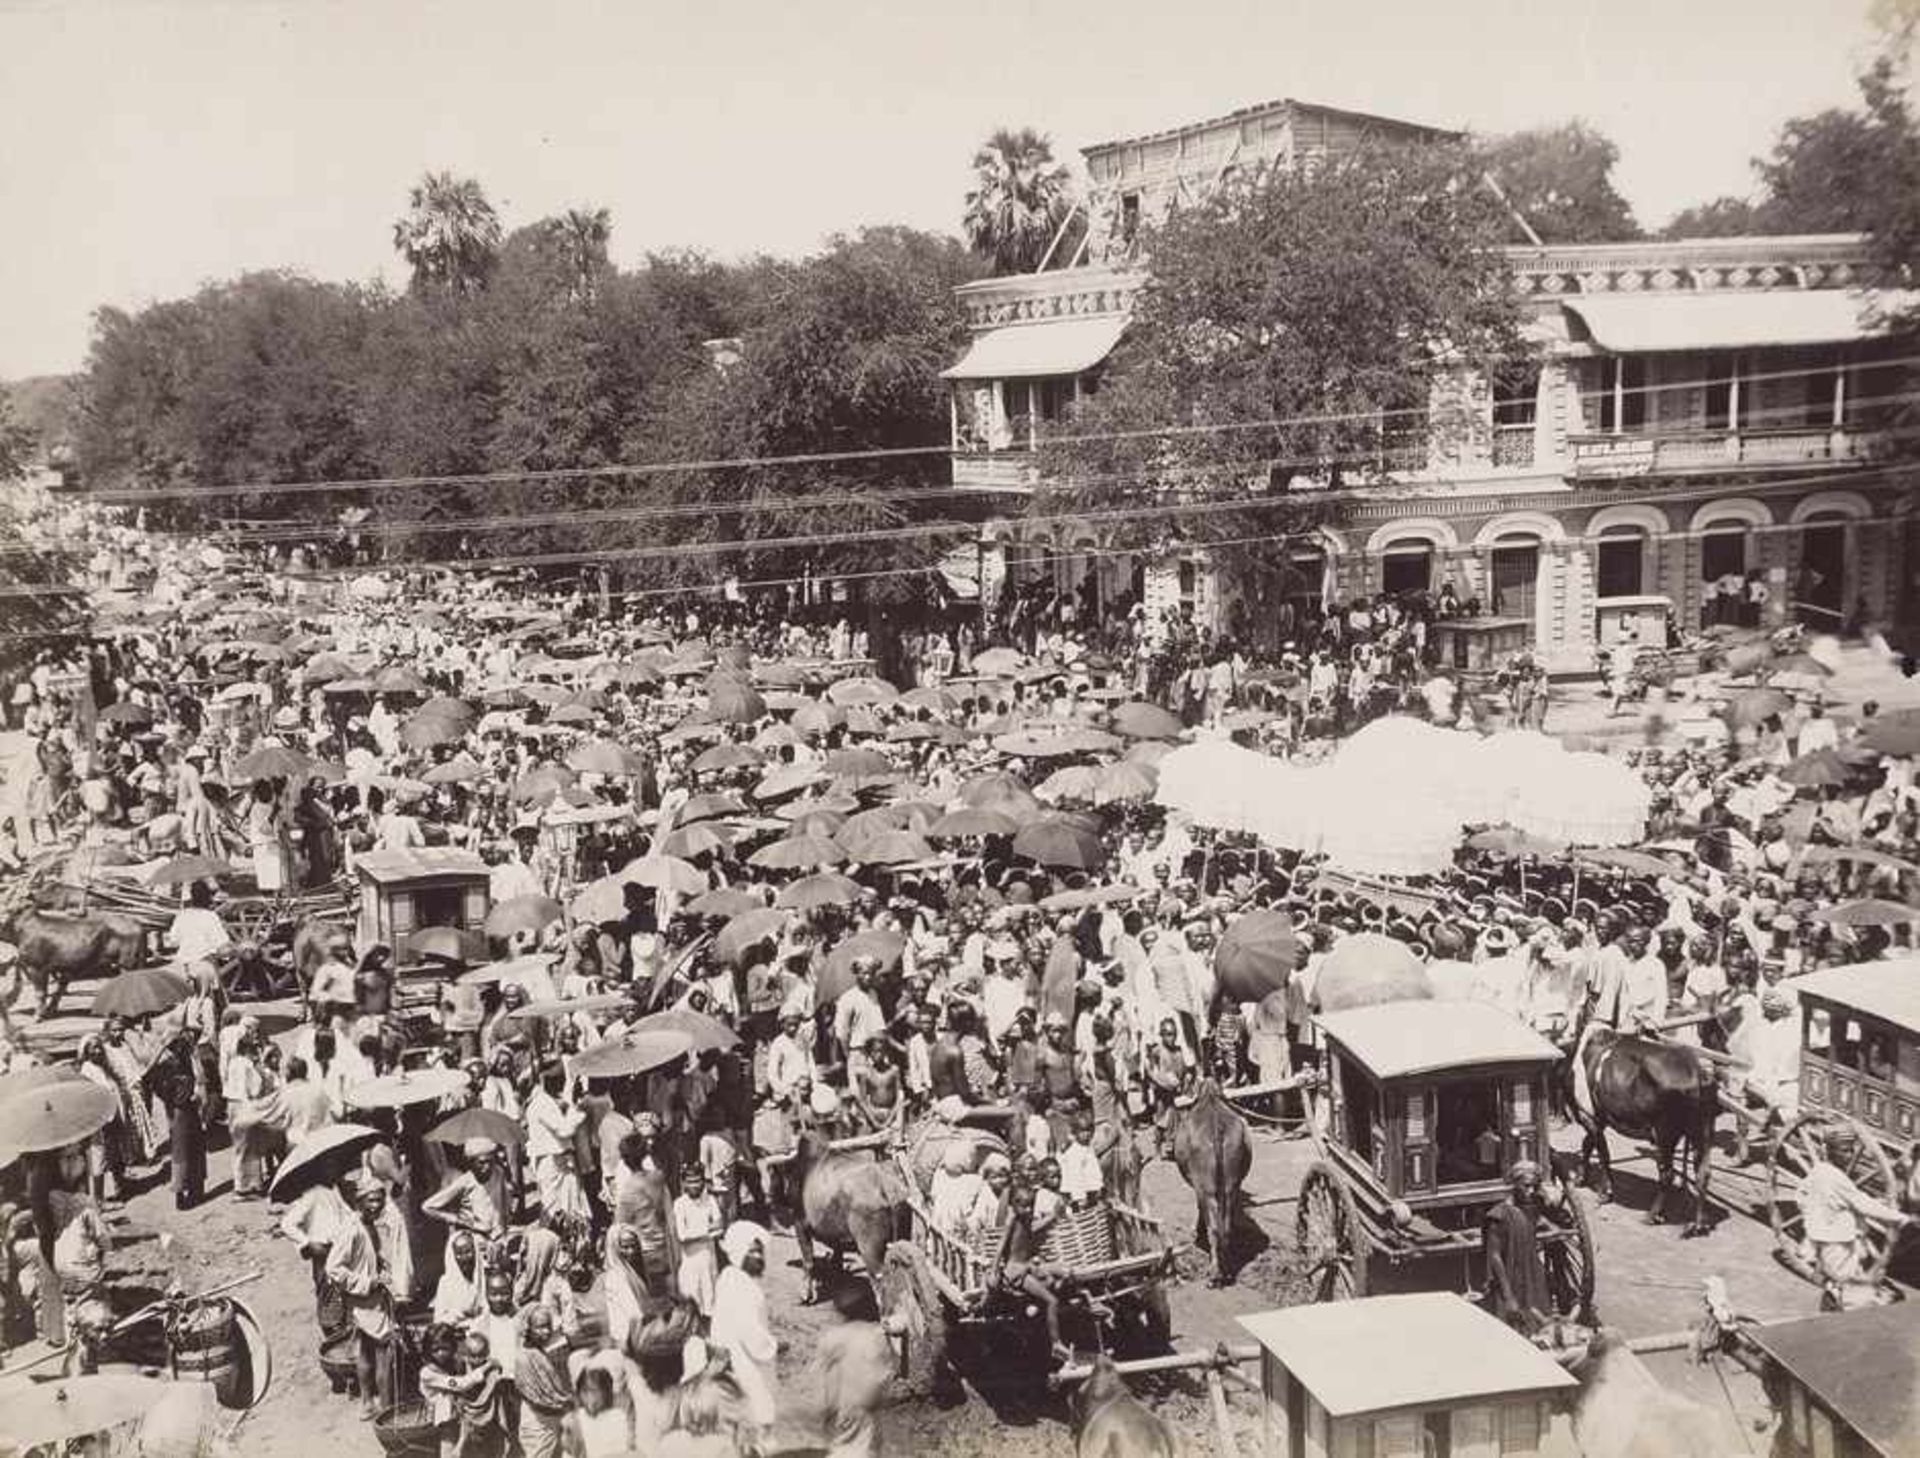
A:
x: 1649, y: 1281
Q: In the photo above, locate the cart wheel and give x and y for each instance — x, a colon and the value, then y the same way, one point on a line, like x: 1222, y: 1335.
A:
x: 250, y: 919
x: 1332, y: 1244
x: 916, y: 1318
x: 1864, y: 1160
x: 1567, y: 1249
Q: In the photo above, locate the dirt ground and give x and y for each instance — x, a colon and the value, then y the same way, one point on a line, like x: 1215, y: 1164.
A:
x: 1649, y: 1282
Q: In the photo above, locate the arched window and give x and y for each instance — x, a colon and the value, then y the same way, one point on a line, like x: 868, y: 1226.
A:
x: 1619, y: 566
x: 1724, y: 550
x: 1516, y: 569
x: 1406, y: 566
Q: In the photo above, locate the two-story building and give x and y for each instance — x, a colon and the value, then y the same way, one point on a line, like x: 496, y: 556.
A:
x: 1698, y: 410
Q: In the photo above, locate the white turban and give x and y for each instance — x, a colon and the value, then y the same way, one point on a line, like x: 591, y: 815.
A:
x: 740, y: 1238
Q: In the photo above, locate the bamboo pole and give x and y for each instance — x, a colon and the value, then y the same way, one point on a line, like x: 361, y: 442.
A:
x: 1222, y: 1415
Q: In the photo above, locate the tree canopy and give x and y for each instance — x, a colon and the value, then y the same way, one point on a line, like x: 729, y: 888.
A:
x: 1296, y: 329
x: 1560, y: 179
x: 450, y: 234
x: 1019, y: 199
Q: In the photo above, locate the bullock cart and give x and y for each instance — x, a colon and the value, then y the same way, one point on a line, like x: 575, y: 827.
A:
x: 1858, y: 1104
x: 1429, y: 1104
x: 939, y: 1290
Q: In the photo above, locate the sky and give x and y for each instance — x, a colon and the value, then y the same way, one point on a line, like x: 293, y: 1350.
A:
x: 156, y: 145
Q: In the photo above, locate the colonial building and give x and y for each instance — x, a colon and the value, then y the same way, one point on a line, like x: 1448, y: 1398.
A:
x: 1699, y: 410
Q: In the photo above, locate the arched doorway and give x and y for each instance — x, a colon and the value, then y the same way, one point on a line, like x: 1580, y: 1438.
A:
x: 1515, y: 576
x: 1620, y: 561
x: 1820, y: 586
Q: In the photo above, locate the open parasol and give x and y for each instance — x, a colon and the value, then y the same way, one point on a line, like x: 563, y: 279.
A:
x: 891, y: 848
x: 734, y: 701
x: 1368, y: 968
x: 601, y: 900
x: 802, y: 852
x: 126, y: 712
x: 429, y: 729
x: 727, y: 901
x: 699, y: 839
x: 1510, y: 843
x: 55, y: 1115
x: 663, y: 873
x: 704, y: 1034
x: 786, y: 779
x: 970, y: 823
x: 815, y: 719
x: 1081, y: 899
x: 561, y: 1007
x: 711, y: 806
x: 1756, y: 706
x: 516, y: 970
x: 408, y: 1087
x: 397, y: 678
x: 997, y: 662
x: 462, y: 769
x: 477, y: 1124
x: 1054, y: 840
x: 1633, y: 862
x: 529, y: 913
x: 858, y: 763
x: 883, y: 946
x: 1257, y: 955
x: 323, y: 1156
x: 822, y: 889
x: 141, y: 993
x: 632, y: 1054
x: 1872, y: 911
x: 1004, y: 792
x: 46, y: 1414
x: 862, y: 690
x: 748, y: 929
x: 604, y: 757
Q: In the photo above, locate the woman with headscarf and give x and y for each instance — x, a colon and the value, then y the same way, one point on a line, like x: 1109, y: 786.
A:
x: 107, y: 1154
x: 626, y: 1285
x: 540, y: 1382
x: 246, y: 1086
x: 740, y: 1324
x: 542, y: 1280
x: 129, y: 1068
x: 458, y: 1298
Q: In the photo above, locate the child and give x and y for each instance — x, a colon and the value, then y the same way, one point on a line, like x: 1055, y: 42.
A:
x: 1081, y: 1180
x: 598, y: 1427
x: 1018, y: 1269
x: 697, y: 1224
x: 443, y: 1383
x: 1036, y: 1130
x: 482, y: 1406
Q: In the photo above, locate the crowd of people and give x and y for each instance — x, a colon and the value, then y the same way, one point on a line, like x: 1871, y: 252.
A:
x: 581, y: 1267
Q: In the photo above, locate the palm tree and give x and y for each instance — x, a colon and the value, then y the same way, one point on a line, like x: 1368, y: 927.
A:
x: 582, y: 237
x: 1019, y: 199
x: 450, y: 235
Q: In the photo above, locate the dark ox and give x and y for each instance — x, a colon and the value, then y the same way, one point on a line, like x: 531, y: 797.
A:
x: 317, y: 940
x: 55, y: 948
x: 1213, y: 1155
x: 1651, y: 1090
x: 1110, y: 1422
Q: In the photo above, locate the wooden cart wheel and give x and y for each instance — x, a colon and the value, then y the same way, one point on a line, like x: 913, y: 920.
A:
x: 1568, y: 1255
x: 915, y: 1317
x: 1861, y: 1157
x: 249, y: 919
x: 1332, y: 1244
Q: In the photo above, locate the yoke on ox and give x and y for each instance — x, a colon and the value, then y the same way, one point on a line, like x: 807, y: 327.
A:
x: 1647, y: 1089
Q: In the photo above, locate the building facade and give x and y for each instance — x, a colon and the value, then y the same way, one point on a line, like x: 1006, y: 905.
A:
x: 1698, y: 412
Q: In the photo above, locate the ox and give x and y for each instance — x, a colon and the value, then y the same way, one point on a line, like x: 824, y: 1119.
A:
x: 1648, y: 1090
x: 1212, y: 1152
x: 55, y: 948
x: 1110, y: 1422
x: 848, y: 1201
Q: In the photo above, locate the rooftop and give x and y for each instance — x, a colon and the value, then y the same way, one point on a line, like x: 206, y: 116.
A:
x: 1395, y: 1039
x: 1427, y: 1350
x: 1886, y: 990
x: 404, y: 865
x: 1863, y: 1366
x: 1267, y: 108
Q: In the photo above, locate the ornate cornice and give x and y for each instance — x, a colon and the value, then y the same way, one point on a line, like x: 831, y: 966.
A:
x: 1828, y: 260
x: 1067, y: 293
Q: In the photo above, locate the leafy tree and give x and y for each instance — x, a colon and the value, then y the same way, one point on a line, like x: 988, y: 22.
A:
x: 33, y: 608
x: 1560, y: 179
x: 450, y: 235
x: 1019, y: 198
x: 1724, y: 217
x: 18, y: 441
x: 1296, y: 330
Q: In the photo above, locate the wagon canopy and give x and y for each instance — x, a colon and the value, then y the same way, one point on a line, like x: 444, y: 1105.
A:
x: 1396, y: 1039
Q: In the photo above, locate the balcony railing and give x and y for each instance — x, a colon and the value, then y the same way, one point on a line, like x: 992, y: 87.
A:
x: 1513, y: 445
x: 1651, y: 455
x: 1011, y: 470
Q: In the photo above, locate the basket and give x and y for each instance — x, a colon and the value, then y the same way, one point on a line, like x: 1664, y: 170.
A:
x: 407, y: 1430
x: 1079, y: 1238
